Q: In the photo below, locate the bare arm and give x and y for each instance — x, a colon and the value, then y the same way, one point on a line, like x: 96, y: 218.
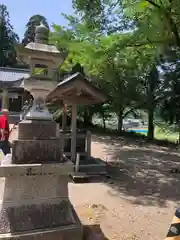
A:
x: 2, y: 134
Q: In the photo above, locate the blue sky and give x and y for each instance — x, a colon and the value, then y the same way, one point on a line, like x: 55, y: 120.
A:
x: 20, y: 11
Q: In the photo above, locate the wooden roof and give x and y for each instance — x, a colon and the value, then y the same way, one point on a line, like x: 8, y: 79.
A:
x: 76, y: 89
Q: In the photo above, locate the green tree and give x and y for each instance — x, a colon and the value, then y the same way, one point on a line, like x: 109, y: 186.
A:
x: 170, y: 103
x: 155, y: 21
x: 7, y: 39
x: 152, y: 83
x: 102, y: 15
x: 118, y: 71
x: 34, y: 21
x: 119, y: 78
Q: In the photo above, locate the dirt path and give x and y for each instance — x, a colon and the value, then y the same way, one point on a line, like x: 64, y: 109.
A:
x: 139, y: 201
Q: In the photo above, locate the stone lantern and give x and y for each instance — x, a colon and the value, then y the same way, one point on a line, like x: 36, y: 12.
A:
x: 43, y: 60
x: 34, y: 198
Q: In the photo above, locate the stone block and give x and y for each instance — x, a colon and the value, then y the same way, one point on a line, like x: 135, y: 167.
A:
x: 36, y: 151
x: 30, y: 217
x: 72, y: 229
x: 32, y: 170
x: 31, y: 130
x: 18, y: 189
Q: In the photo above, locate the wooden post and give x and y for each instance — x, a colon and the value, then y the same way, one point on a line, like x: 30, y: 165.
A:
x: 88, y: 144
x: 64, y: 118
x: 22, y: 101
x: 73, y: 133
x: 77, y: 163
x: 63, y: 128
x: 5, y: 99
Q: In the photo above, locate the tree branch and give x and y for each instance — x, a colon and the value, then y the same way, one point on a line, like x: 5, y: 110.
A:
x: 130, y: 111
x: 172, y: 25
x: 146, y: 43
x: 173, y: 28
x: 153, y: 3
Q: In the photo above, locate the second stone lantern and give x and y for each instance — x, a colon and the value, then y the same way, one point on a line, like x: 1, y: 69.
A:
x: 43, y: 60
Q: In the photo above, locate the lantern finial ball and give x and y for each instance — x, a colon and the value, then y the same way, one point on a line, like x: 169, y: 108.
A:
x: 41, y: 34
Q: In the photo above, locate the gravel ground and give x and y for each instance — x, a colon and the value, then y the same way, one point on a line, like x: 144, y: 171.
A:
x: 138, y: 201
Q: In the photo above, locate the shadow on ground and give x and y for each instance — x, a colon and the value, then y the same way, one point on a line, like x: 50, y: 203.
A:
x: 142, y: 172
x: 93, y: 232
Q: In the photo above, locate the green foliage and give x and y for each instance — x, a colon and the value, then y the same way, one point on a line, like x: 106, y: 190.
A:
x: 170, y: 105
x: 7, y: 39
x: 157, y: 21
x: 156, y: 27
x: 34, y: 21
x: 104, y: 15
x: 119, y: 71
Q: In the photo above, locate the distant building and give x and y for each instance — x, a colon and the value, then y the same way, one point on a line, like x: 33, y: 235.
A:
x: 12, y: 93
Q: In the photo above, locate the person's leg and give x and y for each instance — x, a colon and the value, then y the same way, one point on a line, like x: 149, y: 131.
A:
x: 2, y: 146
x: 6, y: 147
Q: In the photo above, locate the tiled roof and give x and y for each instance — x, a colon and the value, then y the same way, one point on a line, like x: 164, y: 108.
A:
x: 8, y: 75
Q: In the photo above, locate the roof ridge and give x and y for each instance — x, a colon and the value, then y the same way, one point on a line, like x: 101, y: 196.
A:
x: 10, y: 69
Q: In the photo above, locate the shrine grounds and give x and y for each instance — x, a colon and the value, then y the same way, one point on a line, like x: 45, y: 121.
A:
x: 138, y: 201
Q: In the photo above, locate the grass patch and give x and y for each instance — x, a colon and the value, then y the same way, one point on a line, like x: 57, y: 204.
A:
x: 162, y: 134
x: 167, y: 135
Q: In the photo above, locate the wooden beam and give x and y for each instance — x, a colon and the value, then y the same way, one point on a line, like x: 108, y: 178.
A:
x: 80, y: 100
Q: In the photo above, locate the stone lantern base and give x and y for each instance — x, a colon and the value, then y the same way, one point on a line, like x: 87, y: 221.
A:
x: 62, y: 233
x: 34, y: 200
x: 35, y: 203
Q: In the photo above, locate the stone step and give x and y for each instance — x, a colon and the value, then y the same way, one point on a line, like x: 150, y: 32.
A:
x: 79, y: 177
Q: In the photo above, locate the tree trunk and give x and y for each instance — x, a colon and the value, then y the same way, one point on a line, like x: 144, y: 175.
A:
x: 104, y: 122
x: 87, y: 118
x: 103, y: 118
x: 120, y: 121
x: 151, y: 124
x: 179, y: 135
x: 152, y: 83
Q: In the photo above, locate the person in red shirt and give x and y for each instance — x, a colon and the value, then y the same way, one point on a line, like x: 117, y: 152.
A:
x: 4, y: 131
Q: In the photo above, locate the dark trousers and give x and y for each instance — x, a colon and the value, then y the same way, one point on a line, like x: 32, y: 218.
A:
x: 5, y: 147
